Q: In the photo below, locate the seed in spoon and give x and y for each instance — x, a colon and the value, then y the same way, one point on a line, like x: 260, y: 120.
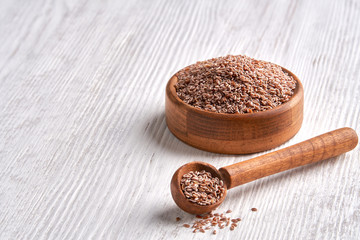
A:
x: 201, y: 188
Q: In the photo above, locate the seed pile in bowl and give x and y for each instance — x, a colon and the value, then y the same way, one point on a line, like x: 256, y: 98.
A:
x: 201, y: 188
x: 234, y: 84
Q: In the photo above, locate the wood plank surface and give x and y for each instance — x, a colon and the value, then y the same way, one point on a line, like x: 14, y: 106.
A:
x: 84, y: 148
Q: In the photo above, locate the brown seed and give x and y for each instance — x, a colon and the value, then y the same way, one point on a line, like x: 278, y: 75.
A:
x: 238, y: 219
x: 228, y: 211
x: 234, y: 84
x: 178, y: 219
x: 203, y: 224
x: 214, y: 232
x: 201, y: 188
x: 254, y: 209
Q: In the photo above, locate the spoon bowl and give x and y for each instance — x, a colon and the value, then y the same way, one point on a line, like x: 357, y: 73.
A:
x: 178, y: 194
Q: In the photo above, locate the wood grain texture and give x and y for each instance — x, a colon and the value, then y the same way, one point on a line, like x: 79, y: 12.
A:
x: 84, y: 148
x: 322, y: 147
x: 234, y: 133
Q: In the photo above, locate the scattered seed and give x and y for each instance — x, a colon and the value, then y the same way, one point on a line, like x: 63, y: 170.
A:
x: 228, y: 211
x: 254, y: 209
x: 178, y: 219
x: 204, y: 222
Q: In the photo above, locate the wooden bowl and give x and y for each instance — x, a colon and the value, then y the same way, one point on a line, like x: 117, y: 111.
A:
x: 234, y: 133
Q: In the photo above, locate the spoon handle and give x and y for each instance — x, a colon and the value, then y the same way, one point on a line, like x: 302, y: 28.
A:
x: 322, y: 147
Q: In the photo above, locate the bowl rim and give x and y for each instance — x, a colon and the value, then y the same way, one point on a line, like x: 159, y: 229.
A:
x: 295, y: 98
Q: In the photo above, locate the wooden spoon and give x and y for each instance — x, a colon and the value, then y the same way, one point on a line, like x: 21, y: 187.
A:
x: 322, y: 147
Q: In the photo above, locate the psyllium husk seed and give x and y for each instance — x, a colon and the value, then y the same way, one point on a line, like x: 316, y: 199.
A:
x: 201, y: 188
x: 234, y: 84
x: 211, y: 222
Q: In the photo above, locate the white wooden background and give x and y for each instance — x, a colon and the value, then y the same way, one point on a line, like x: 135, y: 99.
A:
x: 84, y: 148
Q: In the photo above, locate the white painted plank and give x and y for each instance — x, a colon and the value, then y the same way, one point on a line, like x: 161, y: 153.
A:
x: 84, y: 148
